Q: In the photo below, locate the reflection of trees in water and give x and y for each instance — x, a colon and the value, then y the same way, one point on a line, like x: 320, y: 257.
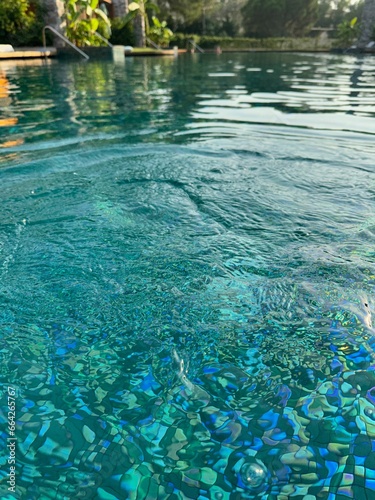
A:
x: 355, y: 92
x: 41, y: 100
x: 152, y: 98
x: 358, y: 76
x: 153, y: 94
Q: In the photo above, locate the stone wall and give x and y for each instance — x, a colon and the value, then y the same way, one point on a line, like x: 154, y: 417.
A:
x: 54, y: 17
x: 367, y: 23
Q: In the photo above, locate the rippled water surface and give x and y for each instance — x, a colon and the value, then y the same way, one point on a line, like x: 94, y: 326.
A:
x: 187, y: 274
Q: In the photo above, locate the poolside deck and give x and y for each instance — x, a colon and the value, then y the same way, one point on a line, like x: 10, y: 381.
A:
x: 29, y: 53
x: 96, y: 53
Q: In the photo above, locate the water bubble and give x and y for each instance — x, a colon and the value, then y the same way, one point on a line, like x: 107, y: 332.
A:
x: 253, y: 473
x: 369, y: 412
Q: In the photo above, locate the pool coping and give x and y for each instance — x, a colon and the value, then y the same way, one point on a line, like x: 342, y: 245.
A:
x: 29, y: 53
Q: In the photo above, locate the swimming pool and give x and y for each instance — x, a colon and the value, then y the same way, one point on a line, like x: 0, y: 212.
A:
x: 187, y: 276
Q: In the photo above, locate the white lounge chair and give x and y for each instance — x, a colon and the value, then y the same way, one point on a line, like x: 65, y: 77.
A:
x: 6, y: 48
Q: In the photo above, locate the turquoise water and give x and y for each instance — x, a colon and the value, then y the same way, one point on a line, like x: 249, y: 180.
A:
x: 187, y: 275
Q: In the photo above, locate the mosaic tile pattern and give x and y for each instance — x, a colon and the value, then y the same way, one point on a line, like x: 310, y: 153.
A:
x: 101, y: 422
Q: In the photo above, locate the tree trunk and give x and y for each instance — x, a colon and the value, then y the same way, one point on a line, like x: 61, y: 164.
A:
x: 120, y: 7
x: 367, y: 24
x: 203, y: 18
x: 140, y: 31
x: 54, y: 16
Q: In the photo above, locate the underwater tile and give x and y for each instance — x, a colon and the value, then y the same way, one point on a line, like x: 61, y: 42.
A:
x: 345, y: 492
x: 370, y: 484
x: 208, y: 476
x: 105, y: 495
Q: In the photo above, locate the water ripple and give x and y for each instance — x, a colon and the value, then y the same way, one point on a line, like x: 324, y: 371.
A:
x: 187, y: 276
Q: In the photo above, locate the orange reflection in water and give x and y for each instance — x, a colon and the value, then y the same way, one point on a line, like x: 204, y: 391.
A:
x: 3, y: 86
x: 7, y: 122
x: 10, y: 144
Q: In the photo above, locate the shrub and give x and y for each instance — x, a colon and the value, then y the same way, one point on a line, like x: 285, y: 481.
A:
x: 281, y: 43
x: 15, y: 15
x: 21, y: 22
x: 159, y: 33
x: 122, y: 34
x: 347, y: 32
x: 83, y: 20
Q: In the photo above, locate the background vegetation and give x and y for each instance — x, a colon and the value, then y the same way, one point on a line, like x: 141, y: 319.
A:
x: 256, y: 17
x: 21, y: 21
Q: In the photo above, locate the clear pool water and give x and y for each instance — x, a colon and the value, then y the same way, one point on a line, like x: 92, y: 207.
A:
x: 187, y: 274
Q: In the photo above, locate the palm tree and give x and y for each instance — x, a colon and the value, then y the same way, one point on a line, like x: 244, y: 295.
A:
x: 367, y: 23
x: 138, y: 11
x: 140, y: 30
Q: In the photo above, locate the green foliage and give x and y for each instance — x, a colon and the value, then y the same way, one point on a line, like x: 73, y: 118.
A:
x: 139, y: 12
x: 210, y: 42
x: 15, y: 15
x: 21, y: 22
x: 122, y: 34
x: 203, y: 16
x: 181, y: 12
x: 160, y: 33
x: 331, y: 13
x: 265, y: 18
x: 85, y: 19
x: 347, y: 32
x: 140, y: 8
x: 275, y: 43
